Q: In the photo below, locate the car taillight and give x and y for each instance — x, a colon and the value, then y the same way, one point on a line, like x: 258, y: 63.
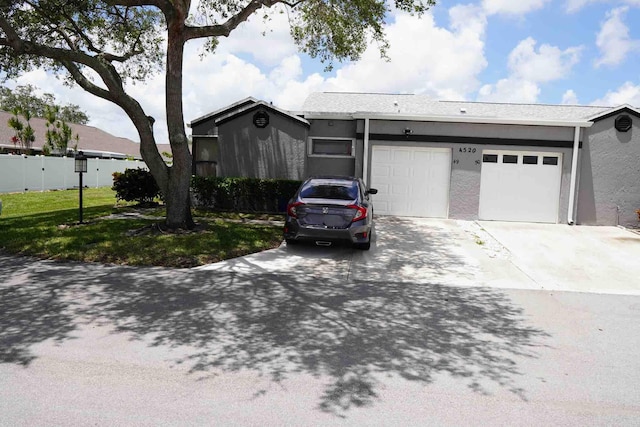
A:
x: 292, y: 209
x: 360, y: 214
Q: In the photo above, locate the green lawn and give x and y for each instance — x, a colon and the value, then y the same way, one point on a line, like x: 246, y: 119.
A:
x: 45, y: 225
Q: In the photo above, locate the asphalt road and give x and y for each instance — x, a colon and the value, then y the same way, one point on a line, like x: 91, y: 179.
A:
x: 106, y: 345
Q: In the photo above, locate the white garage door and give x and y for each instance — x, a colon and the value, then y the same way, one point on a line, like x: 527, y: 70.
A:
x: 411, y: 181
x: 520, y: 186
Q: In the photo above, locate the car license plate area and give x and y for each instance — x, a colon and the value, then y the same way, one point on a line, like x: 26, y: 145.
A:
x: 327, y: 217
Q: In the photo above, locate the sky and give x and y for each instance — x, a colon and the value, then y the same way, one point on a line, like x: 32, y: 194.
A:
x: 580, y: 52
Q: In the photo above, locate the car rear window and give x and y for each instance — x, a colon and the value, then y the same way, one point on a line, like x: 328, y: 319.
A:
x: 323, y: 189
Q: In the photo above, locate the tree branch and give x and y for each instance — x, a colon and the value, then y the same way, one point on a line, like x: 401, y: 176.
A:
x: 85, y: 83
x: 232, y: 23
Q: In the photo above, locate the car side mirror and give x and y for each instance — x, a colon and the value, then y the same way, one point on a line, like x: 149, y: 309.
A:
x: 372, y: 191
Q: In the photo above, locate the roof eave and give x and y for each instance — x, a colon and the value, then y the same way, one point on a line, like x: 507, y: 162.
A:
x: 225, y: 110
x: 450, y: 119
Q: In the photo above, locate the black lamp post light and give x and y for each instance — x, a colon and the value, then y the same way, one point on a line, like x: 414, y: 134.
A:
x: 80, y: 168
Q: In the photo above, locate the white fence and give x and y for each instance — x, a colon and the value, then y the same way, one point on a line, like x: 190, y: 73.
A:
x: 38, y: 173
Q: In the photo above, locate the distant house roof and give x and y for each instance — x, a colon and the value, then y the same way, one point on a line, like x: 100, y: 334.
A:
x: 337, y: 103
x: 92, y: 140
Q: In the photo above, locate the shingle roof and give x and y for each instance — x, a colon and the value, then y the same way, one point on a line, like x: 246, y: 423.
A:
x: 409, y: 104
x: 91, y: 138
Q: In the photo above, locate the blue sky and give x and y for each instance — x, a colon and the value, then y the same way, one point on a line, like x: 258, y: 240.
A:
x: 526, y: 51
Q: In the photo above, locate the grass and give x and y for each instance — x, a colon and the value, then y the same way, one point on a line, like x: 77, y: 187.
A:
x: 45, y: 225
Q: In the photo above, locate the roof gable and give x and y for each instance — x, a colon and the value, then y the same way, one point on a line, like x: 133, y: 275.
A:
x: 625, y: 108
x: 261, y: 105
x: 224, y: 110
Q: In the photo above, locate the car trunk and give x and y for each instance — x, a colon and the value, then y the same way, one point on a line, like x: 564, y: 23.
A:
x: 319, y: 213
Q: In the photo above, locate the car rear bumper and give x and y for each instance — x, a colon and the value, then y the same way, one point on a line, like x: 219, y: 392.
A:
x: 354, y: 234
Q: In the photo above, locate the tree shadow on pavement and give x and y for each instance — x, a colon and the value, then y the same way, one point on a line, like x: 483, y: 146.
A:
x: 30, y: 311
x: 349, y: 334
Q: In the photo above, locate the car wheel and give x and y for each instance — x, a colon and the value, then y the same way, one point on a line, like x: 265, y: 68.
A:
x: 363, y: 246
x: 291, y: 242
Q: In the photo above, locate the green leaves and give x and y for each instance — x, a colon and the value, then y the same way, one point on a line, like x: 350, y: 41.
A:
x: 341, y: 30
x: 59, y: 133
x: 24, y: 133
x: 61, y: 30
x: 26, y: 98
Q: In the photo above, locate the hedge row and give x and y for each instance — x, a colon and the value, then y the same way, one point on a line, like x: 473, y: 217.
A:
x: 243, y: 194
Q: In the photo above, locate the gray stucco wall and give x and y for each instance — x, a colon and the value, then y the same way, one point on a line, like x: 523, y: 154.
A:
x: 328, y: 165
x: 277, y: 151
x: 472, y: 130
x: 609, y: 192
x: 207, y: 127
x: 464, y: 190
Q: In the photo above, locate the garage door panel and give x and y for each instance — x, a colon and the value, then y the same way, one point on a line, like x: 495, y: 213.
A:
x: 411, y: 181
x: 519, y: 191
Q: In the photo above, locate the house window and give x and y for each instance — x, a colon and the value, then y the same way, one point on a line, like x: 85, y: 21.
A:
x: 332, y: 147
x: 509, y: 158
x: 490, y: 158
x: 530, y: 160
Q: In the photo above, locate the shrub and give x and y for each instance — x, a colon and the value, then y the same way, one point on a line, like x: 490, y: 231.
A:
x: 135, y: 185
x: 243, y: 194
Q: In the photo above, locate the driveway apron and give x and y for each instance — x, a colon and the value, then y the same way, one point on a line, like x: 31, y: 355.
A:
x: 572, y: 258
x: 403, y: 250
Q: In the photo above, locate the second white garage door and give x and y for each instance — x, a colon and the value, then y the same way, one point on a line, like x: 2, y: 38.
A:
x: 520, y: 186
x: 411, y: 181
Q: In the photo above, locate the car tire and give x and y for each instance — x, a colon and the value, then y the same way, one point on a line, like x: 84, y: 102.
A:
x: 363, y: 246
x: 291, y: 242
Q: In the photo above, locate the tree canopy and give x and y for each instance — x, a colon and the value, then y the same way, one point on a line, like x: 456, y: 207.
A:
x: 26, y: 98
x: 100, y: 45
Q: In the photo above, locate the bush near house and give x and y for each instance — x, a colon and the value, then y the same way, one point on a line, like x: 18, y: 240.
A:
x: 243, y: 194
x: 135, y: 185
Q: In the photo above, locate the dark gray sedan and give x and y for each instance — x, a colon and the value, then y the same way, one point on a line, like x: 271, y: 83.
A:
x: 329, y: 209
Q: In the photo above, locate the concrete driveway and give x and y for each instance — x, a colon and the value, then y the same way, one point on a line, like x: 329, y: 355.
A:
x: 468, y: 253
x: 408, y: 333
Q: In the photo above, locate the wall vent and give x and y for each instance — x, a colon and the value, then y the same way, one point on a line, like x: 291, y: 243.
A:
x: 623, y: 123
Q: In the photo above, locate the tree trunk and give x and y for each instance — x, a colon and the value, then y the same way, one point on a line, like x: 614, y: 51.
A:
x: 177, y: 196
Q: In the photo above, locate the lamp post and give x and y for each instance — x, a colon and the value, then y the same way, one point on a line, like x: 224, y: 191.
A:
x: 80, y: 168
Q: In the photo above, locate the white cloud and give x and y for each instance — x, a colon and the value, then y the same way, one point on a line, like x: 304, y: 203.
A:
x: 441, y: 61
x: 267, y: 42
x: 511, y: 7
x: 613, y: 40
x: 102, y: 114
x: 436, y: 61
x: 575, y: 5
x: 529, y: 68
x: 570, y: 98
x: 510, y: 90
x: 549, y: 63
x: 628, y: 93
